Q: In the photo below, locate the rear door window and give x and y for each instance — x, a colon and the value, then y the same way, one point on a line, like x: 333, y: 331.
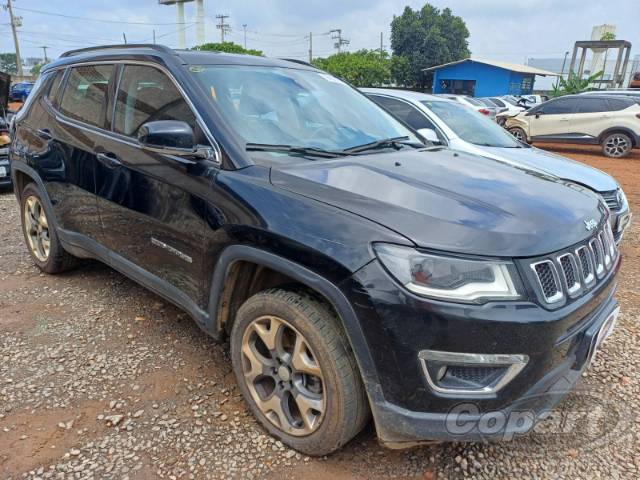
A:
x: 592, y: 105
x: 52, y: 94
x: 86, y: 92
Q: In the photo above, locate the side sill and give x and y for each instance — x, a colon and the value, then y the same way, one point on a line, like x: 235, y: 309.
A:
x: 85, y: 247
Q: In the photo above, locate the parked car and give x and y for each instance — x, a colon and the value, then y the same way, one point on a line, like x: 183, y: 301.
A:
x: 445, y: 122
x: 509, y: 109
x: 491, y: 104
x: 535, y: 99
x: 5, y: 170
x: 635, y: 81
x: 613, y: 123
x: 353, y: 270
x: 20, y: 91
x: 472, y: 103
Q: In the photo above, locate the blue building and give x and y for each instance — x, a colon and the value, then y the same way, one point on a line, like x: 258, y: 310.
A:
x: 484, y: 78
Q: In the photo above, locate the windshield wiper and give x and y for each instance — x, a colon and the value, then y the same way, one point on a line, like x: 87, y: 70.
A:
x: 316, y: 152
x: 385, y: 142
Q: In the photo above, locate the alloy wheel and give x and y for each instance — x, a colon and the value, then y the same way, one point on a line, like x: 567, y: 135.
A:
x: 617, y: 145
x: 36, y: 228
x: 283, y: 375
x: 518, y: 134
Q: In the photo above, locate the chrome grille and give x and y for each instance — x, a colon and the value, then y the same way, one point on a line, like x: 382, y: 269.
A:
x: 572, y: 273
x: 611, y: 199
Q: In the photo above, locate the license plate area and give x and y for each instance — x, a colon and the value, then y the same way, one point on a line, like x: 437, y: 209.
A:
x: 602, y: 334
x: 3, y: 172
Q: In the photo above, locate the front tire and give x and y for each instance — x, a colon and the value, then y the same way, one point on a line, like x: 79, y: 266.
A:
x: 296, y: 371
x: 617, y: 145
x: 519, y: 133
x: 40, y: 235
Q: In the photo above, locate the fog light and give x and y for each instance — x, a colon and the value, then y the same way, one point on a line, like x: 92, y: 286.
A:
x: 469, y: 373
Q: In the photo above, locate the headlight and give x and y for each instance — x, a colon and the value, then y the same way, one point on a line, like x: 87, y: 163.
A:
x: 450, y: 278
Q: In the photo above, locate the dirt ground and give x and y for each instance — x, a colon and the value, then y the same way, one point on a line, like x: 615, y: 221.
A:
x: 100, y: 378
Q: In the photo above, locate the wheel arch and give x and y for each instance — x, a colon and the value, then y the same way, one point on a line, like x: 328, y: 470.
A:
x: 225, y: 280
x: 627, y: 131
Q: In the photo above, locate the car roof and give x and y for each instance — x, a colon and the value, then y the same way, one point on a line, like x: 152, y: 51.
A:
x: 186, y: 57
x: 405, y: 94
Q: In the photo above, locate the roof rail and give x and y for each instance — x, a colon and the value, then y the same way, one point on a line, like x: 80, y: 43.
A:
x: 295, y: 60
x: 159, y: 48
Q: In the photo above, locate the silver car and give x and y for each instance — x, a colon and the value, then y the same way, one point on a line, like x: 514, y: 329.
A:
x: 447, y: 123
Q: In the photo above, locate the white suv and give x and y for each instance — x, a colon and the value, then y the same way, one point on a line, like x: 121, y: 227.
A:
x: 613, y: 122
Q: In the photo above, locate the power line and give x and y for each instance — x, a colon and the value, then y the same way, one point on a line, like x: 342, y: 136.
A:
x: 89, y: 19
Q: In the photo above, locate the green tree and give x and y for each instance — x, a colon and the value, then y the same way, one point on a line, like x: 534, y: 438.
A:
x: 608, y: 36
x: 35, y: 70
x: 426, y: 38
x: 574, y: 84
x: 228, y: 47
x: 8, y: 63
x: 364, y: 68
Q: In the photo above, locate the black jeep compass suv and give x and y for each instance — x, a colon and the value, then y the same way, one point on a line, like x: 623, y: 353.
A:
x: 354, y: 270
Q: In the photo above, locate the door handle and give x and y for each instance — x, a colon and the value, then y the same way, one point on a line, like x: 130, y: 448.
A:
x: 44, y: 134
x: 109, y: 160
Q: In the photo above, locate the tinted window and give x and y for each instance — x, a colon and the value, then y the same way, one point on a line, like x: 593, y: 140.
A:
x: 616, y: 104
x: 592, y: 105
x: 563, y: 105
x: 55, y: 87
x: 85, y: 94
x: 405, y: 112
x: 146, y: 94
x: 472, y: 101
x: 498, y: 102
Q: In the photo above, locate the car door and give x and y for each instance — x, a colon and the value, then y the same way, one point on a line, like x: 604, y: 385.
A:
x: 151, y: 219
x: 61, y: 129
x: 551, y: 120
x: 591, y: 117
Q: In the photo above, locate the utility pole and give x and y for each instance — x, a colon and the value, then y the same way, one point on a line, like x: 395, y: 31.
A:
x: 154, y: 36
x: 337, y: 36
x: 44, y: 49
x: 310, y: 47
x: 125, y: 37
x: 223, y: 27
x: 15, y: 23
x: 562, y: 71
x: 381, y: 44
x: 244, y: 28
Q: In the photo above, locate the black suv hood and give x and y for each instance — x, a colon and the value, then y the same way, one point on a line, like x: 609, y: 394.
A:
x: 452, y: 201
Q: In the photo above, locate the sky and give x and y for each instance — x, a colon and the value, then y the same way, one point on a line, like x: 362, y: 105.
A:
x: 506, y: 30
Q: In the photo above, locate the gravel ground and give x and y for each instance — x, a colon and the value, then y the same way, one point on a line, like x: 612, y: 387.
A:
x: 100, y: 378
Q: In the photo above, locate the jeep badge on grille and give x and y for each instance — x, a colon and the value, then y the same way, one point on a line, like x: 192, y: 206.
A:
x: 590, y: 224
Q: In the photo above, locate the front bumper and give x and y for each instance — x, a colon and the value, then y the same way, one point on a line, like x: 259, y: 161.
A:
x: 398, y: 325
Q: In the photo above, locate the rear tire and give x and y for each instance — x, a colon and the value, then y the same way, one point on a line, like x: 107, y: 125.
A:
x: 519, y: 133
x: 617, y: 145
x: 296, y: 371
x: 40, y: 235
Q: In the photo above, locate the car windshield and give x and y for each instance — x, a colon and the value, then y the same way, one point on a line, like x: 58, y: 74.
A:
x: 470, y: 126
x: 297, y: 108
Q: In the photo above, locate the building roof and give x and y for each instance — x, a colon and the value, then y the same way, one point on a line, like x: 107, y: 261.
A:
x: 514, y: 67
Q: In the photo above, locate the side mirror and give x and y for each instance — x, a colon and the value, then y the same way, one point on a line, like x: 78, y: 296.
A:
x: 170, y: 137
x: 429, y: 134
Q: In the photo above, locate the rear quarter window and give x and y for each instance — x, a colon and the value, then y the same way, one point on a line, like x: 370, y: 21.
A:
x: 616, y: 104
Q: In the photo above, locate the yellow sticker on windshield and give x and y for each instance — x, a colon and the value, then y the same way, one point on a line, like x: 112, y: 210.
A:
x: 213, y: 93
